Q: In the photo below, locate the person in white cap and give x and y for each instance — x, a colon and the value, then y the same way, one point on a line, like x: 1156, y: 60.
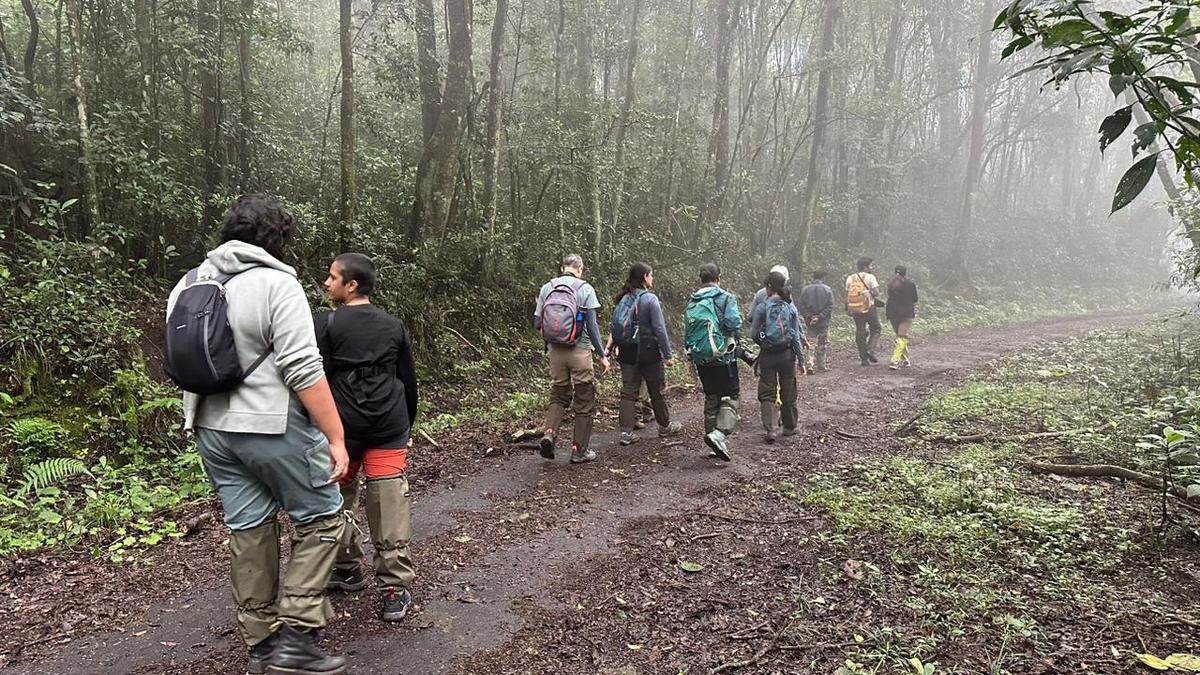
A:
x: 761, y: 295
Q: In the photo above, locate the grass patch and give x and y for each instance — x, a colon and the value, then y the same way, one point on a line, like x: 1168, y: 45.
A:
x: 978, y: 551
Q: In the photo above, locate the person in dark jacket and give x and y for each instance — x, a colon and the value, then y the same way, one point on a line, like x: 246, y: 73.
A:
x: 646, y: 357
x: 369, y: 361
x: 815, y: 303
x: 901, y: 309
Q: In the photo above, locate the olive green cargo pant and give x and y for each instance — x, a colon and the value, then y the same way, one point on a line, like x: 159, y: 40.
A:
x: 389, y: 520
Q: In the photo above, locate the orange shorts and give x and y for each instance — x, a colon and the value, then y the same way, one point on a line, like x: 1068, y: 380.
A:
x: 378, y: 463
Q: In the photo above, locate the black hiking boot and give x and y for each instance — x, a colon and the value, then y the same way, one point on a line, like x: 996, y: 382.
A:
x: 546, y: 446
x: 260, y: 654
x: 349, y: 580
x: 396, y: 602
x: 299, y: 653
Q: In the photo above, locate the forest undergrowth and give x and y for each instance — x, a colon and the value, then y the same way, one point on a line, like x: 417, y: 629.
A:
x: 1049, y: 572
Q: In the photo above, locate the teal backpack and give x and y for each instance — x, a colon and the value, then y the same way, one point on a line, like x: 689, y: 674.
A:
x: 703, y: 340
x: 777, y: 332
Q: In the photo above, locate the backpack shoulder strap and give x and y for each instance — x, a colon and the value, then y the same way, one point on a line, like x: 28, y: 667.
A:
x: 192, y: 276
x: 257, y: 362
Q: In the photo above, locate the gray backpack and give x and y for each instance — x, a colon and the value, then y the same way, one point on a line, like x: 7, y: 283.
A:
x: 561, y: 318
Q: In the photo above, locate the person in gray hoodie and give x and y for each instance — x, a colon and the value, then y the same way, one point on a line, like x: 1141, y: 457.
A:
x: 275, y: 443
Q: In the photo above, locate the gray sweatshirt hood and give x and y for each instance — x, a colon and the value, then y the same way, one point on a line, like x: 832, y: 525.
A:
x: 234, y: 257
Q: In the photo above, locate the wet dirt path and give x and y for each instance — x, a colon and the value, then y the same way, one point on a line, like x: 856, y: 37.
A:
x: 492, y: 542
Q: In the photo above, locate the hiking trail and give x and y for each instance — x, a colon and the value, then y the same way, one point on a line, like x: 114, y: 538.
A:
x: 493, y: 536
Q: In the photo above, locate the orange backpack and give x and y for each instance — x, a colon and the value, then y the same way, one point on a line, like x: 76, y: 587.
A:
x: 858, y: 296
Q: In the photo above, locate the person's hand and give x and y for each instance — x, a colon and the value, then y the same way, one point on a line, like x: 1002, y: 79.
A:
x: 669, y: 362
x: 605, y: 364
x: 341, y: 461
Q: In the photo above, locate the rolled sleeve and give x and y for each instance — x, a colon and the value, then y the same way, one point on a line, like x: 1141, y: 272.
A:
x: 293, y: 339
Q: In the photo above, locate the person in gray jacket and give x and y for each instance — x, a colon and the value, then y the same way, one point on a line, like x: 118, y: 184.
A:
x: 645, y: 354
x: 275, y: 443
x: 816, y: 308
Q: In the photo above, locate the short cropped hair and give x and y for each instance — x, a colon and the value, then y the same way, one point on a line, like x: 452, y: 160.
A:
x: 572, y: 261
x: 709, y: 272
x: 864, y: 263
x: 358, y: 267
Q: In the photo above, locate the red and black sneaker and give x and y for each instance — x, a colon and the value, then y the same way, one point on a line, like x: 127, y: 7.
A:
x: 395, y: 603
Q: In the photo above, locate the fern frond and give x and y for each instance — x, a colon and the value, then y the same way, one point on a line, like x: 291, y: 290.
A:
x: 50, y: 471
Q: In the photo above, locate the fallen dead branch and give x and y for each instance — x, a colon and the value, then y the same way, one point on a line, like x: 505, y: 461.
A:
x: 1101, y: 471
x: 847, y: 434
x: 903, y: 428
x: 737, y: 519
x: 430, y: 439
x: 971, y: 438
x: 464, y: 340
x: 735, y: 665
x: 524, y: 435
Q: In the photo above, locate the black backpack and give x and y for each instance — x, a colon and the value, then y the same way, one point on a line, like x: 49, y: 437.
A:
x: 200, y: 354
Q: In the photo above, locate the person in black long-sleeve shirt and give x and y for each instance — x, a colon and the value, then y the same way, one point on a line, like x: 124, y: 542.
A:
x: 368, y: 360
x: 901, y: 309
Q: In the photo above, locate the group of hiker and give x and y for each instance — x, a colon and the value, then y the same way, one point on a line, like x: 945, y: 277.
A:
x: 288, y: 410
x: 566, y: 315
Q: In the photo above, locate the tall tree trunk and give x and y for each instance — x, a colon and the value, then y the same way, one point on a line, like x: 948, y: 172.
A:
x: 31, y: 48
x: 142, y: 31
x: 631, y: 54
x: 492, y: 140
x: 246, y: 131
x: 86, y: 161
x: 438, y: 169
x: 427, y: 66
x: 718, y: 141
x: 673, y: 135
x: 210, y: 24
x: 58, y: 53
x: 960, y: 270
x: 812, y: 181
x: 348, y: 196
x: 585, y: 85
x: 873, y: 179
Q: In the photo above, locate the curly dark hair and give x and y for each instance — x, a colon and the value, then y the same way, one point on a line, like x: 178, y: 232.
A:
x: 261, y: 220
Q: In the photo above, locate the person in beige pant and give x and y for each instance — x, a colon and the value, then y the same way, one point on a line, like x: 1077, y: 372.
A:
x: 572, y: 379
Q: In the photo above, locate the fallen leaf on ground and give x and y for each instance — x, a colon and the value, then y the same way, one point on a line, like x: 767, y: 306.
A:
x: 1185, y: 662
x: 1153, y: 661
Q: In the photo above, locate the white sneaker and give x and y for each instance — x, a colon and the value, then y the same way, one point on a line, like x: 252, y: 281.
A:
x: 628, y: 438
x: 893, y: 366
